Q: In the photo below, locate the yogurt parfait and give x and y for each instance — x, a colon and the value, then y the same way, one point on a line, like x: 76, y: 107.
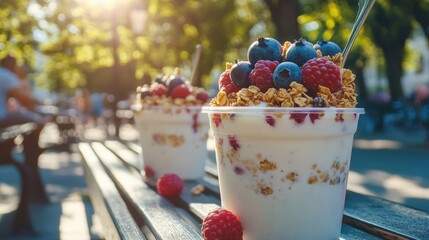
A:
x: 172, y: 130
x: 283, y: 123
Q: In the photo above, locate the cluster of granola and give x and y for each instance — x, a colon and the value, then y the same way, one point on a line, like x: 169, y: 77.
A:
x: 337, y: 174
x: 295, y: 96
x: 168, y: 139
x: 170, y: 90
x: 190, y: 100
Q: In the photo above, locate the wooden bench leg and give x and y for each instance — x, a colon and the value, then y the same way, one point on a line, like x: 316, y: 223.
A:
x: 32, y: 151
x: 37, y: 193
x: 22, y: 223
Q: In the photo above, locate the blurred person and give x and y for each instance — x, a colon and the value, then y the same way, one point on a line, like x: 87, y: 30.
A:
x: 97, y: 106
x: 379, y: 106
x: 421, y: 101
x: 83, y: 105
x: 21, y: 73
x: 421, y: 94
x: 11, y: 87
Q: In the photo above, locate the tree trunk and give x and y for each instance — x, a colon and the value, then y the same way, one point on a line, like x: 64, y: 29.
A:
x: 360, y: 82
x: 422, y: 16
x: 394, y: 70
x: 284, y: 14
x: 391, y: 27
x: 357, y: 62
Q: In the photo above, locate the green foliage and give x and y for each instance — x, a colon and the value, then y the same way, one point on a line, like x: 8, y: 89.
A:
x: 391, y: 24
x: 82, y: 33
x: 80, y: 36
x: 16, y: 30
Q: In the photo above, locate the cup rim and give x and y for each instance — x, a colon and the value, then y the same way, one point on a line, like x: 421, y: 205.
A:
x: 139, y: 107
x: 256, y: 109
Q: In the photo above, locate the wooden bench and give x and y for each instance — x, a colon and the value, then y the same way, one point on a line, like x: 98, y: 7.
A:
x: 129, y: 208
x: 32, y: 189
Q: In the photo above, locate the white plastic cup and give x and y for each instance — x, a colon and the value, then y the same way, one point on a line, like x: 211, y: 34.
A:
x: 283, y: 171
x: 173, y: 140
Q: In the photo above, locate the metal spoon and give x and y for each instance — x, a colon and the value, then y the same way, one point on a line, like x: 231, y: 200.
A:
x: 196, y: 63
x: 363, y: 11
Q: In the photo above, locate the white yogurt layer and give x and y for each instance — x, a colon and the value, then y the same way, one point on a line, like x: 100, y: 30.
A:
x: 173, y: 140
x: 285, y: 178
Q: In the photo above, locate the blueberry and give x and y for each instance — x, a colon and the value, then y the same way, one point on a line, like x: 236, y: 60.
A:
x: 300, y: 52
x: 286, y: 73
x: 327, y: 48
x: 174, y: 82
x: 144, y: 92
x: 264, y: 49
x: 161, y: 79
x: 318, y: 102
x: 240, y: 73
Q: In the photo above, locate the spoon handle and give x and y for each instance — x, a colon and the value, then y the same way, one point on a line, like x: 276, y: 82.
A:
x: 196, y: 63
x: 364, y: 9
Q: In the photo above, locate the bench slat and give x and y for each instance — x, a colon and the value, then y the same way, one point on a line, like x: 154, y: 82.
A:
x: 365, y: 217
x: 16, y: 130
x: 124, y: 153
x: 385, y: 218
x: 202, y: 204
x: 135, y: 147
x: 107, y: 202
x: 158, y: 213
x: 378, y: 216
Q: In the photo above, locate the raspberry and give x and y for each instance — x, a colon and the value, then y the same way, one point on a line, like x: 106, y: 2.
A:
x: 320, y: 71
x: 180, y: 91
x: 233, y: 142
x: 270, y: 120
x: 221, y: 224
x: 217, y: 119
x: 262, y: 75
x: 238, y: 170
x: 299, y: 118
x: 203, y: 96
x: 157, y: 89
x: 170, y: 185
x: 226, y: 84
x: 149, y: 172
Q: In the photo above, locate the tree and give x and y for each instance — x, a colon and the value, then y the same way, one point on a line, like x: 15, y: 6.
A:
x: 16, y: 30
x: 81, y: 49
x: 420, y: 10
x: 284, y: 14
x: 332, y: 20
x: 391, y: 26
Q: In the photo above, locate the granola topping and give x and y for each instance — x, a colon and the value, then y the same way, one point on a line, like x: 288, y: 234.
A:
x: 296, y: 95
x: 168, y: 139
x: 198, y: 189
x: 266, y: 165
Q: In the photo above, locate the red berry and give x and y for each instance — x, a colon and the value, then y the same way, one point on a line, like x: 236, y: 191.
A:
x: 170, y: 185
x: 157, y: 89
x: 221, y: 224
x: 320, y: 71
x: 262, y: 75
x: 180, y: 91
x: 149, y: 172
x: 203, y: 96
x: 226, y: 84
x: 217, y: 119
x: 233, y: 142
